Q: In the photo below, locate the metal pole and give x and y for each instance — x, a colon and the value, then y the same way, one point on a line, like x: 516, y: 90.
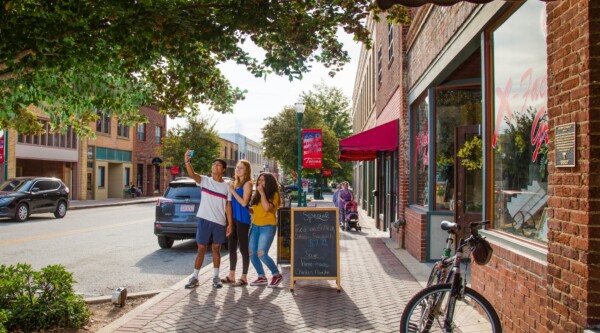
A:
x: 300, y: 198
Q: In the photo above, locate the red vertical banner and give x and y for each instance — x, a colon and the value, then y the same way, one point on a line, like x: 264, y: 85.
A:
x: 1, y: 146
x: 312, y: 148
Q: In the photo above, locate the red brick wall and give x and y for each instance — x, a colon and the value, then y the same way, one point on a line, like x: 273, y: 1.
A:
x: 516, y: 286
x: 415, y: 236
x: 440, y: 25
x: 145, y: 151
x: 574, y: 226
x: 387, y: 92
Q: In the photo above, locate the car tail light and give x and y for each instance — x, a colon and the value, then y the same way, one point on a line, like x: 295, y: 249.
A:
x: 161, y: 201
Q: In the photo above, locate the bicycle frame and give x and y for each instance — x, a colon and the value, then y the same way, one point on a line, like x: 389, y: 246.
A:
x: 445, y: 263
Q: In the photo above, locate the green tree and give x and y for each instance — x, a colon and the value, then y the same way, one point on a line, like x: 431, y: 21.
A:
x: 70, y: 58
x: 326, y: 108
x: 197, y: 135
x: 334, y: 108
x: 280, y: 139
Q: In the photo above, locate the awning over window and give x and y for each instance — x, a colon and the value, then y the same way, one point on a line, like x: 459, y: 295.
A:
x: 364, y: 146
x: 386, y: 4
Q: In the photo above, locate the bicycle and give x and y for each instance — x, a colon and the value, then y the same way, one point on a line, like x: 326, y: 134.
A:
x: 441, y: 272
x: 454, y: 307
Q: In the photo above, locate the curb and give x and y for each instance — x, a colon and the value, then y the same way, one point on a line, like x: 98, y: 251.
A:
x: 110, y: 204
x: 162, y: 294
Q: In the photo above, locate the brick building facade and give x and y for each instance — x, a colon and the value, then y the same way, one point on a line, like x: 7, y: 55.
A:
x: 510, y: 75
x: 151, y: 174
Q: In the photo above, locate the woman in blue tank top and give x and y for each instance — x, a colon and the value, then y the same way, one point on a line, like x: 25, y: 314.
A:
x: 241, y: 191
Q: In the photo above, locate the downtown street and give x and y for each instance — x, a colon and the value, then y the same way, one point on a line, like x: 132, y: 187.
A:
x: 105, y: 248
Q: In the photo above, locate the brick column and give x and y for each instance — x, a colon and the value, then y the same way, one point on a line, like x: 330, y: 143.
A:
x: 574, y: 225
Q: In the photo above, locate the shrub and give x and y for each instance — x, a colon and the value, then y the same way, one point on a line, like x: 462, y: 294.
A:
x: 36, y: 300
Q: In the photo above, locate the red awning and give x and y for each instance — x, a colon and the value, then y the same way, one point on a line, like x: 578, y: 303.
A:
x: 365, y: 145
x: 386, y: 4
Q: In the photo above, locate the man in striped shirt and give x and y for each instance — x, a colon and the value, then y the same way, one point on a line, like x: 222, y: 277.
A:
x: 215, y: 217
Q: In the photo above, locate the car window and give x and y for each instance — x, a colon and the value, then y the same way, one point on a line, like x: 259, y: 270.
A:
x: 43, y: 185
x: 20, y: 185
x: 183, y: 192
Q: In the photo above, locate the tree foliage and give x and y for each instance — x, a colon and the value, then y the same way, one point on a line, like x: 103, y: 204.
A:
x: 326, y: 108
x: 197, y: 135
x: 72, y: 57
x: 334, y: 108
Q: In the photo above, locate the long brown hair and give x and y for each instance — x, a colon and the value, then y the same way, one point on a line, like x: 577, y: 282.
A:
x: 271, y: 187
x: 247, y: 175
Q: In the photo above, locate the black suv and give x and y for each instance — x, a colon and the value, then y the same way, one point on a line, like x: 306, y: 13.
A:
x: 176, y: 212
x: 23, y: 196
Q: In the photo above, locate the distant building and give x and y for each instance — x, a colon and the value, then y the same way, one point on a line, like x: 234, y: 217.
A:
x: 93, y: 169
x: 251, y: 151
x: 229, y: 152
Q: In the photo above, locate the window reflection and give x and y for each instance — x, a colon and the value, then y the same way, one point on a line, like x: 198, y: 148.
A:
x: 520, y: 135
x: 421, y: 160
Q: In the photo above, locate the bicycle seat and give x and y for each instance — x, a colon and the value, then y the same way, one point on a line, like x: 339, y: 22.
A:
x: 448, y: 226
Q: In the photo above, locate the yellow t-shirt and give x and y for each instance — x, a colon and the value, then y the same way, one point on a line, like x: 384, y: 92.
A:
x: 262, y: 217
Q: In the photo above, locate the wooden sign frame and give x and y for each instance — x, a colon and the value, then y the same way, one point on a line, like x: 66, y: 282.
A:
x: 294, y: 278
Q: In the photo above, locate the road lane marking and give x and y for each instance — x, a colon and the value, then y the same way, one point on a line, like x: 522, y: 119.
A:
x: 66, y: 233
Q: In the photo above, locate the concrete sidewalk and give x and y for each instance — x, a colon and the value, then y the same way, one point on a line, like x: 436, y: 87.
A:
x: 375, y: 288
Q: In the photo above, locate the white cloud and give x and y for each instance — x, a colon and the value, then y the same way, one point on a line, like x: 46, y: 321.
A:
x: 267, y: 97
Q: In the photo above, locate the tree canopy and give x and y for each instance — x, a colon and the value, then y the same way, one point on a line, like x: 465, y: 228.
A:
x: 326, y: 108
x: 71, y: 58
x: 197, y: 135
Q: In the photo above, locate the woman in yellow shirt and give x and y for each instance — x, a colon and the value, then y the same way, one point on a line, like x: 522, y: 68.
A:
x: 264, y: 204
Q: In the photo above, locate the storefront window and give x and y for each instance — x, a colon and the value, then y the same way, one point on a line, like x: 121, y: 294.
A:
x: 457, y: 109
x: 520, y: 134
x: 421, y: 160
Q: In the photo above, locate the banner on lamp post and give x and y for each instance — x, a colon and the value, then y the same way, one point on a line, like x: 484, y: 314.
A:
x: 1, y: 147
x: 312, y: 148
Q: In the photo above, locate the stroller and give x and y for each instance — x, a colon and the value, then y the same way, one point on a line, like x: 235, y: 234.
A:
x: 351, y: 216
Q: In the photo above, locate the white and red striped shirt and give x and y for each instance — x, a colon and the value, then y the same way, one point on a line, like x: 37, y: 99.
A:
x: 214, y: 200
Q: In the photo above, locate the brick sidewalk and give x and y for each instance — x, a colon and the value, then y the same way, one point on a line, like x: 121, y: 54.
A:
x: 375, y: 288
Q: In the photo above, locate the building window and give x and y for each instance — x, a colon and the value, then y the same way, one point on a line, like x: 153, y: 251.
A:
x: 103, y: 122
x: 141, y: 132
x: 140, y: 176
x: 379, y: 66
x: 127, y: 178
x: 156, y: 178
x: 101, y: 176
x: 67, y: 140
x: 456, y: 110
x: 421, y: 153
x: 390, y: 43
x: 520, y: 134
x: 122, y: 130
x: 158, y: 134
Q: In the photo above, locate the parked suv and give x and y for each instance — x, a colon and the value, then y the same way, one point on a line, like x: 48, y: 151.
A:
x: 23, y: 196
x: 176, y: 212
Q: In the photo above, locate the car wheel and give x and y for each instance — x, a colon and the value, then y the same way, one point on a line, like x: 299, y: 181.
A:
x: 61, y: 210
x: 22, y: 212
x: 165, y: 242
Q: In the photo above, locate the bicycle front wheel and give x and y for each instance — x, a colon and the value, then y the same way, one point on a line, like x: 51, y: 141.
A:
x: 426, y: 312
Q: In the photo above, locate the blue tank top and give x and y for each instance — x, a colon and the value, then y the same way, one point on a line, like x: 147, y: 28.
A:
x: 240, y: 213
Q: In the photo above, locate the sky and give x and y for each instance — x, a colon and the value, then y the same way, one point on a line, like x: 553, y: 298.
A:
x: 267, y: 97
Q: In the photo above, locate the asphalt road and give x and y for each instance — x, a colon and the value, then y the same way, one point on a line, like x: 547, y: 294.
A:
x: 104, y: 248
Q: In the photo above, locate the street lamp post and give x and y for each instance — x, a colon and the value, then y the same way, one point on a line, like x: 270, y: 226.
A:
x: 300, y: 106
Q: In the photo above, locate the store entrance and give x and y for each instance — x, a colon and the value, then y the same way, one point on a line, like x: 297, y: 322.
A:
x: 468, y: 192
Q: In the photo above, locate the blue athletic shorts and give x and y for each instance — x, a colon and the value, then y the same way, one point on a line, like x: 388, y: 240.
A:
x: 207, y: 230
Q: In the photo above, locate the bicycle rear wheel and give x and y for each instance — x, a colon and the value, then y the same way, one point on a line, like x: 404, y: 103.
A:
x: 426, y: 312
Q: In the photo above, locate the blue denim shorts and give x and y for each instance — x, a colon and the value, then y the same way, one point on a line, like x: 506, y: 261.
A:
x: 207, y: 230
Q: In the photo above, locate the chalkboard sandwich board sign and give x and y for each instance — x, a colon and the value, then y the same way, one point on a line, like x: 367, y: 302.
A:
x: 315, y: 245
